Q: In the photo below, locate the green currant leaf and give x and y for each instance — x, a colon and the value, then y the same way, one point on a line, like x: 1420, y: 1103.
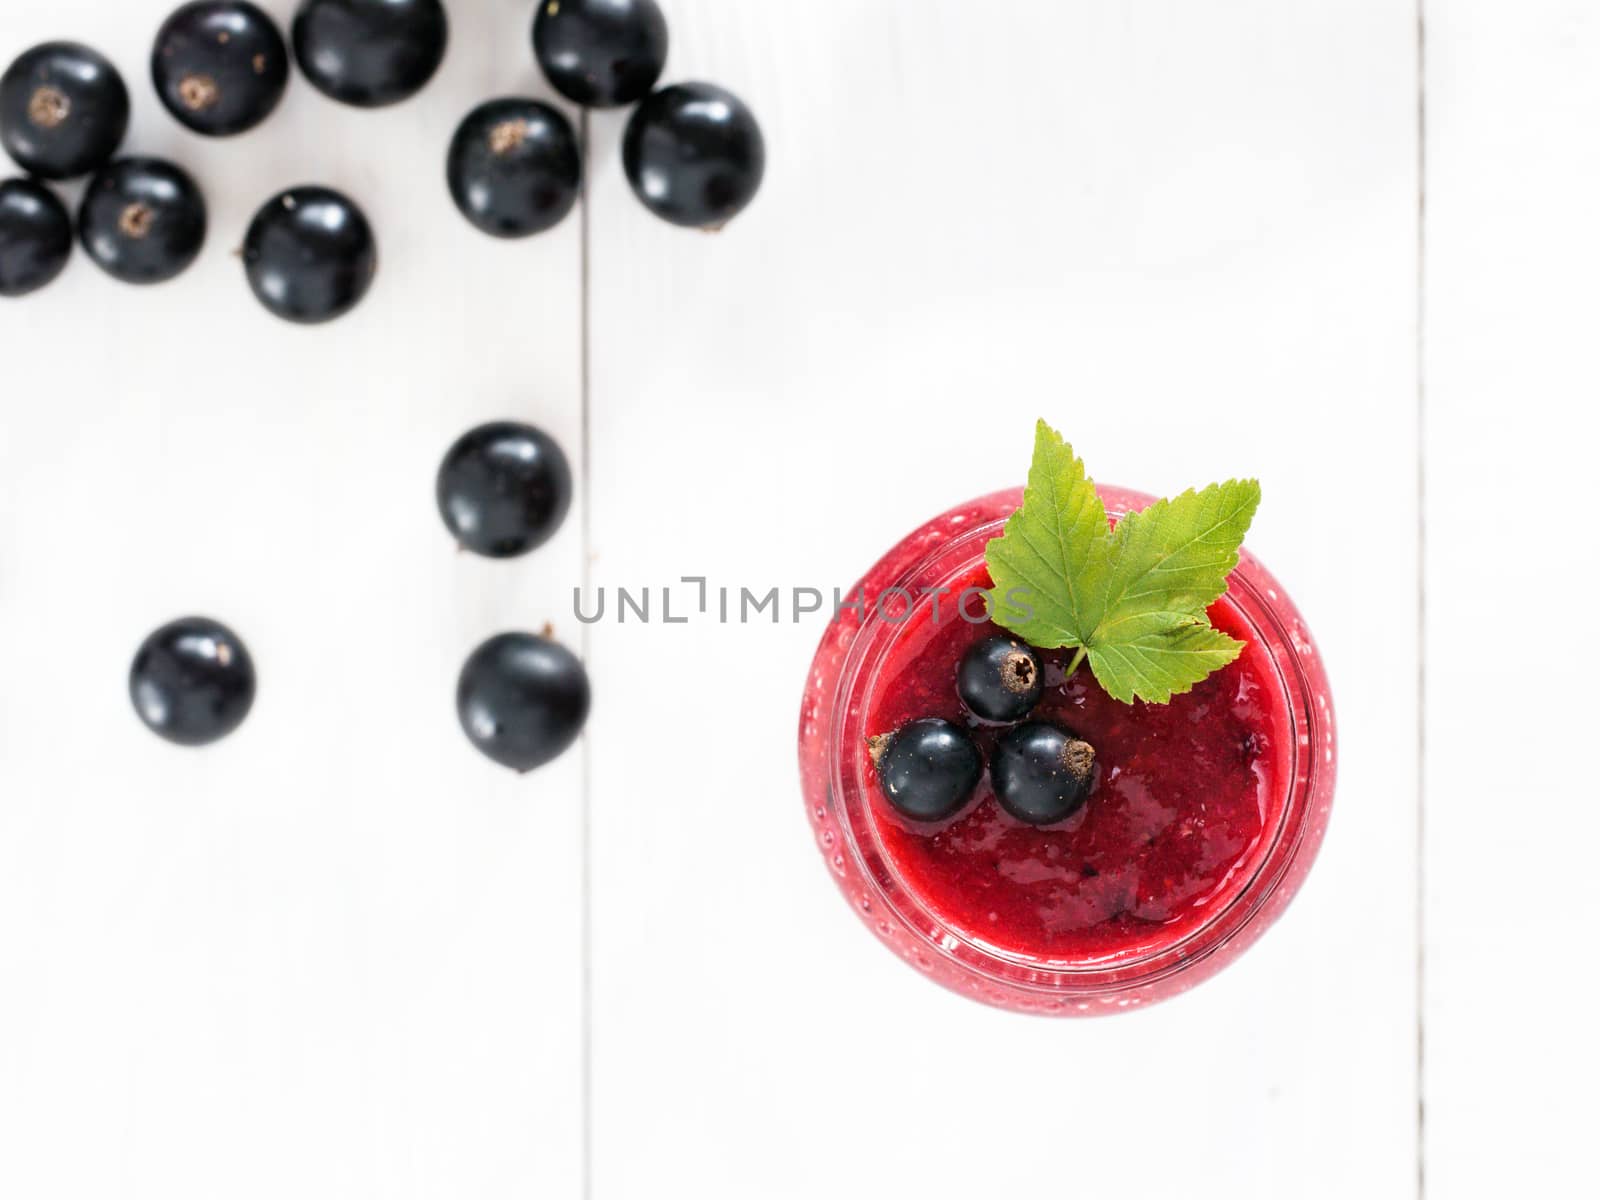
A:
x: 1134, y: 599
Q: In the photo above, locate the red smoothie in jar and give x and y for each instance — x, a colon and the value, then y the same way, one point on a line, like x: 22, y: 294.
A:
x: 1203, y: 818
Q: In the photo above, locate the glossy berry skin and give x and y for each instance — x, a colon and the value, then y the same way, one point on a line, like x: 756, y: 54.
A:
x: 1041, y: 773
x: 928, y: 768
x: 694, y: 155
x: 514, y: 167
x: 370, y: 53
x: 522, y: 699
x: 193, y: 682
x: 35, y: 236
x: 63, y: 110
x: 601, y: 53
x: 504, y: 489
x: 1000, y: 679
x: 143, y: 220
x: 310, y: 255
x: 220, y: 66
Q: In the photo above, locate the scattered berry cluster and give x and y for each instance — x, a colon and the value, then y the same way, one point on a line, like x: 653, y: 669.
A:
x: 522, y: 699
x: 1040, y: 772
x: 692, y: 152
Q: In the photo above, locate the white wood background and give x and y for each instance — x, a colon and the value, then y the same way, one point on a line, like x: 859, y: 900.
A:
x: 339, y: 956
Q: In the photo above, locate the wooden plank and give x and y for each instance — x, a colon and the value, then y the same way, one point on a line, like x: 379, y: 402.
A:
x: 339, y: 955
x: 1187, y: 234
x: 1513, y: 181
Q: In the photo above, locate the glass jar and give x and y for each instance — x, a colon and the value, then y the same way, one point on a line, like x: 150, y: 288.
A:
x: 839, y: 787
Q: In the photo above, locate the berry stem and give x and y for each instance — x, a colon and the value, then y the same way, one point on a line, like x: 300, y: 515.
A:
x: 1077, y: 661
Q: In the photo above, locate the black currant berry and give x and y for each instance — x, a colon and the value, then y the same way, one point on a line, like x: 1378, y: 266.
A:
x: 370, y: 52
x: 927, y: 769
x: 522, y: 699
x: 504, y: 489
x: 1000, y: 679
x: 35, y: 236
x: 143, y: 220
x: 1041, y: 773
x: 220, y: 66
x: 63, y: 110
x: 694, y: 155
x: 514, y: 167
x: 601, y: 53
x: 193, y: 682
x: 310, y: 255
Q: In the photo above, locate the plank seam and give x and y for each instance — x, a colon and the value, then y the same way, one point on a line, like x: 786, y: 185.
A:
x: 586, y: 841
x: 1422, y: 584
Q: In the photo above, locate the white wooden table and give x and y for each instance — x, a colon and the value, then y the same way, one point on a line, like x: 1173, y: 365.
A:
x: 340, y: 956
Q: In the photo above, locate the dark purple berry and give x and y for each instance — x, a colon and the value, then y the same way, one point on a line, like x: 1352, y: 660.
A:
x: 193, y: 682
x: 694, y: 155
x: 143, y: 220
x: 514, y: 167
x: 1041, y: 773
x: 310, y: 255
x: 220, y: 66
x: 522, y: 699
x: 504, y: 489
x: 35, y: 236
x: 1000, y: 679
x: 601, y: 53
x: 370, y: 52
x: 927, y: 768
x: 63, y: 110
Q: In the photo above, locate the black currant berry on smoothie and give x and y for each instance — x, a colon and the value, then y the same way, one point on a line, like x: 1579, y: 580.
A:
x: 927, y: 768
x: 220, y: 66
x: 35, y: 236
x: 143, y: 220
x: 694, y: 155
x: 601, y: 53
x: 504, y: 489
x: 522, y: 699
x: 370, y: 53
x: 193, y: 681
x: 1041, y: 773
x: 514, y: 167
x: 1000, y: 679
x: 63, y: 110
x: 310, y: 255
